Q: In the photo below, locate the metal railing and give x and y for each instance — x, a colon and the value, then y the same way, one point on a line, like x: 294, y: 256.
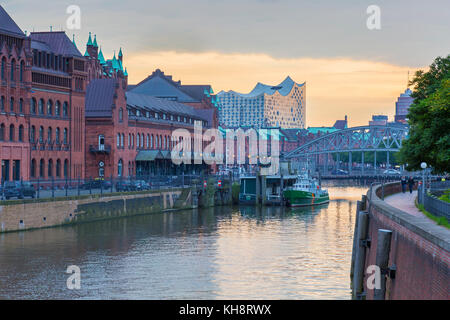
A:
x: 58, y: 188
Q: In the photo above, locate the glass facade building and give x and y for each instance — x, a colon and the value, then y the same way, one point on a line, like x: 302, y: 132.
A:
x: 282, y: 106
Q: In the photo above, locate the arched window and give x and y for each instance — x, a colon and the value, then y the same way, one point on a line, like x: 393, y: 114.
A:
x: 33, y: 106
x: 137, y: 140
x: 49, y: 135
x: 49, y: 107
x: 120, y: 168
x: 147, y: 142
x: 132, y: 140
x: 65, y: 136
x: 22, y: 67
x: 33, y: 134
x: 41, y: 168
x: 11, y: 104
x: 151, y: 141
x: 21, y: 133
x: 118, y: 140
x: 142, y: 140
x: 122, y: 138
x: 3, y: 70
x: 120, y: 115
x: 65, y: 110
x: 33, y: 168
x: 50, y: 168
x: 157, y: 142
x: 21, y: 105
x: 58, y: 168
x: 11, y: 132
x: 41, y: 106
x: 41, y: 134
x: 57, y: 108
x: 13, y: 69
x: 2, y: 132
x: 58, y: 135
x: 66, y: 168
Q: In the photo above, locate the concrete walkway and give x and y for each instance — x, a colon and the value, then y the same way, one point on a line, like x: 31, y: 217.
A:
x: 405, y: 202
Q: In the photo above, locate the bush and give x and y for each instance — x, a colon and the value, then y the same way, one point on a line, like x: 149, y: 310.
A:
x: 446, y: 196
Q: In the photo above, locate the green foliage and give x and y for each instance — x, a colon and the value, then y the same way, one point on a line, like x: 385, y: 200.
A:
x: 235, y: 192
x: 446, y: 196
x: 429, y: 119
x: 441, y: 221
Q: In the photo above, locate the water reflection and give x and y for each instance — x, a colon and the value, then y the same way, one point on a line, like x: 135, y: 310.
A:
x: 217, y: 253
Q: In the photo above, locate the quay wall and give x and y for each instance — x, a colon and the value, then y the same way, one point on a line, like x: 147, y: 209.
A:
x: 34, y: 214
x: 419, y: 250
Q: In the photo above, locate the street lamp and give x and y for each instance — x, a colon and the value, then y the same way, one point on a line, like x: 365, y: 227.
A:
x: 423, y: 165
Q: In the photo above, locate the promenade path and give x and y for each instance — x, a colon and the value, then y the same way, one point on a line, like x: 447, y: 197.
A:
x: 405, y: 202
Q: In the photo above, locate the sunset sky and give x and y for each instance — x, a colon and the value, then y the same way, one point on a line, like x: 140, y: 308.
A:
x: 233, y: 44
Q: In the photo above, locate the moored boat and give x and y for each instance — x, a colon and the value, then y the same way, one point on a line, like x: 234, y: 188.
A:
x: 305, y: 192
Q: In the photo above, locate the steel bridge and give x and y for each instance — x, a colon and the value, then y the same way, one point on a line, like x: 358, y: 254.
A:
x: 357, y: 139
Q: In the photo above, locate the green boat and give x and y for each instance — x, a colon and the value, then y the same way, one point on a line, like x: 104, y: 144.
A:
x: 305, y: 192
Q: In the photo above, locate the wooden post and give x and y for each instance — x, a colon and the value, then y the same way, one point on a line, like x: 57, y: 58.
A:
x: 355, y: 234
x: 257, y: 187
x: 382, y: 260
x: 263, y: 190
x: 281, y: 190
x: 360, y: 257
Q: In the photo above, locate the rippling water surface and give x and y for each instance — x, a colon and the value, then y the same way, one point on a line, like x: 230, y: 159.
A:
x: 220, y: 253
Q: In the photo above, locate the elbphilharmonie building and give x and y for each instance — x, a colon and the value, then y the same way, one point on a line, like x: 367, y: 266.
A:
x: 283, y: 105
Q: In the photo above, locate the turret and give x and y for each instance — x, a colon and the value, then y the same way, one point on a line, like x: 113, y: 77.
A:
x: 92, y: 47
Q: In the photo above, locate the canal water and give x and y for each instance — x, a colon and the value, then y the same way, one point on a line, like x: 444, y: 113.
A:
x: 218, y: 253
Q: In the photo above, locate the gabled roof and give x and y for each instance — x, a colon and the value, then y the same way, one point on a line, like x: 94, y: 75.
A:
x: 100, y: 97
x: 58, y: 42
x: 197, y: 92
x: 151, y: 103
x: 161, y: 86
x: 7, y: 24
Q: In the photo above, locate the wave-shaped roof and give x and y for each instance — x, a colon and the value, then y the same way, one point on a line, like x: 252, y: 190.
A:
x: 284, y: 88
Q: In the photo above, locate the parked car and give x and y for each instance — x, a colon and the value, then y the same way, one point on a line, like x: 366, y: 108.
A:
x: 391, y: 171
x: 125, y: 186
x: 96, y: 184
x: 17, y: 189
x: 339, y: 172
x: 141, y: 185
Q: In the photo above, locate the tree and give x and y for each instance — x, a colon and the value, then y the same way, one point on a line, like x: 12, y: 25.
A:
x: 429, y: 119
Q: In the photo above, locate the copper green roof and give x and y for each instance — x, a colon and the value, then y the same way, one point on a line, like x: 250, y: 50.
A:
x: 89, y: 43
x: 86, y: 54
x: 101, y: 58
x: 120, y: 53
x: 73, y: 41
x: 126, y: 72
x: 95, y: 42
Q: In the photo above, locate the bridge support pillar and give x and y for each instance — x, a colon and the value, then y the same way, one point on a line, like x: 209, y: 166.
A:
x: 375, y: 161
x: 350, y: 162
x: 362, y: 162
x: 327, y: 155
x: 387, y: 162
x: 337, y: 161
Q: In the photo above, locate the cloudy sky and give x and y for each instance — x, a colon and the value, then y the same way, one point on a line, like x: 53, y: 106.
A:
x: 233, y: 44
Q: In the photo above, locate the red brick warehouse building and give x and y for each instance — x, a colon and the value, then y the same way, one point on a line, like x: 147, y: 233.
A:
x: 130, y: 133
x: 42, y: 104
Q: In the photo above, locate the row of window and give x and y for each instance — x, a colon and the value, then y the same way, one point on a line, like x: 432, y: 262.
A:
x: 55, y: 110
x: 53, y: 170
x: 156, y: 115
x: 49, y: 135
x: 13, y: 73
x: 148, y: 141
x: 50, y: 61
x: 51, y: 110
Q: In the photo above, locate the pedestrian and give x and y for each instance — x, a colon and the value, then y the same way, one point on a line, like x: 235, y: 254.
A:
x: 404, y: 182
x: 411, y: 184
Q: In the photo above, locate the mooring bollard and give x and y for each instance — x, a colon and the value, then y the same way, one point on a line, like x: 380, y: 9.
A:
x: 360, y: 256
x: 382, y: 260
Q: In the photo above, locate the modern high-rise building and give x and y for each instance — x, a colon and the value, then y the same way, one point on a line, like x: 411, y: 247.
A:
x: 402, y: 106
x: 282, y: 106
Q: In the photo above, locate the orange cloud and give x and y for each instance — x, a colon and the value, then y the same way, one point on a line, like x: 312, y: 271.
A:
x: 335, y: 87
